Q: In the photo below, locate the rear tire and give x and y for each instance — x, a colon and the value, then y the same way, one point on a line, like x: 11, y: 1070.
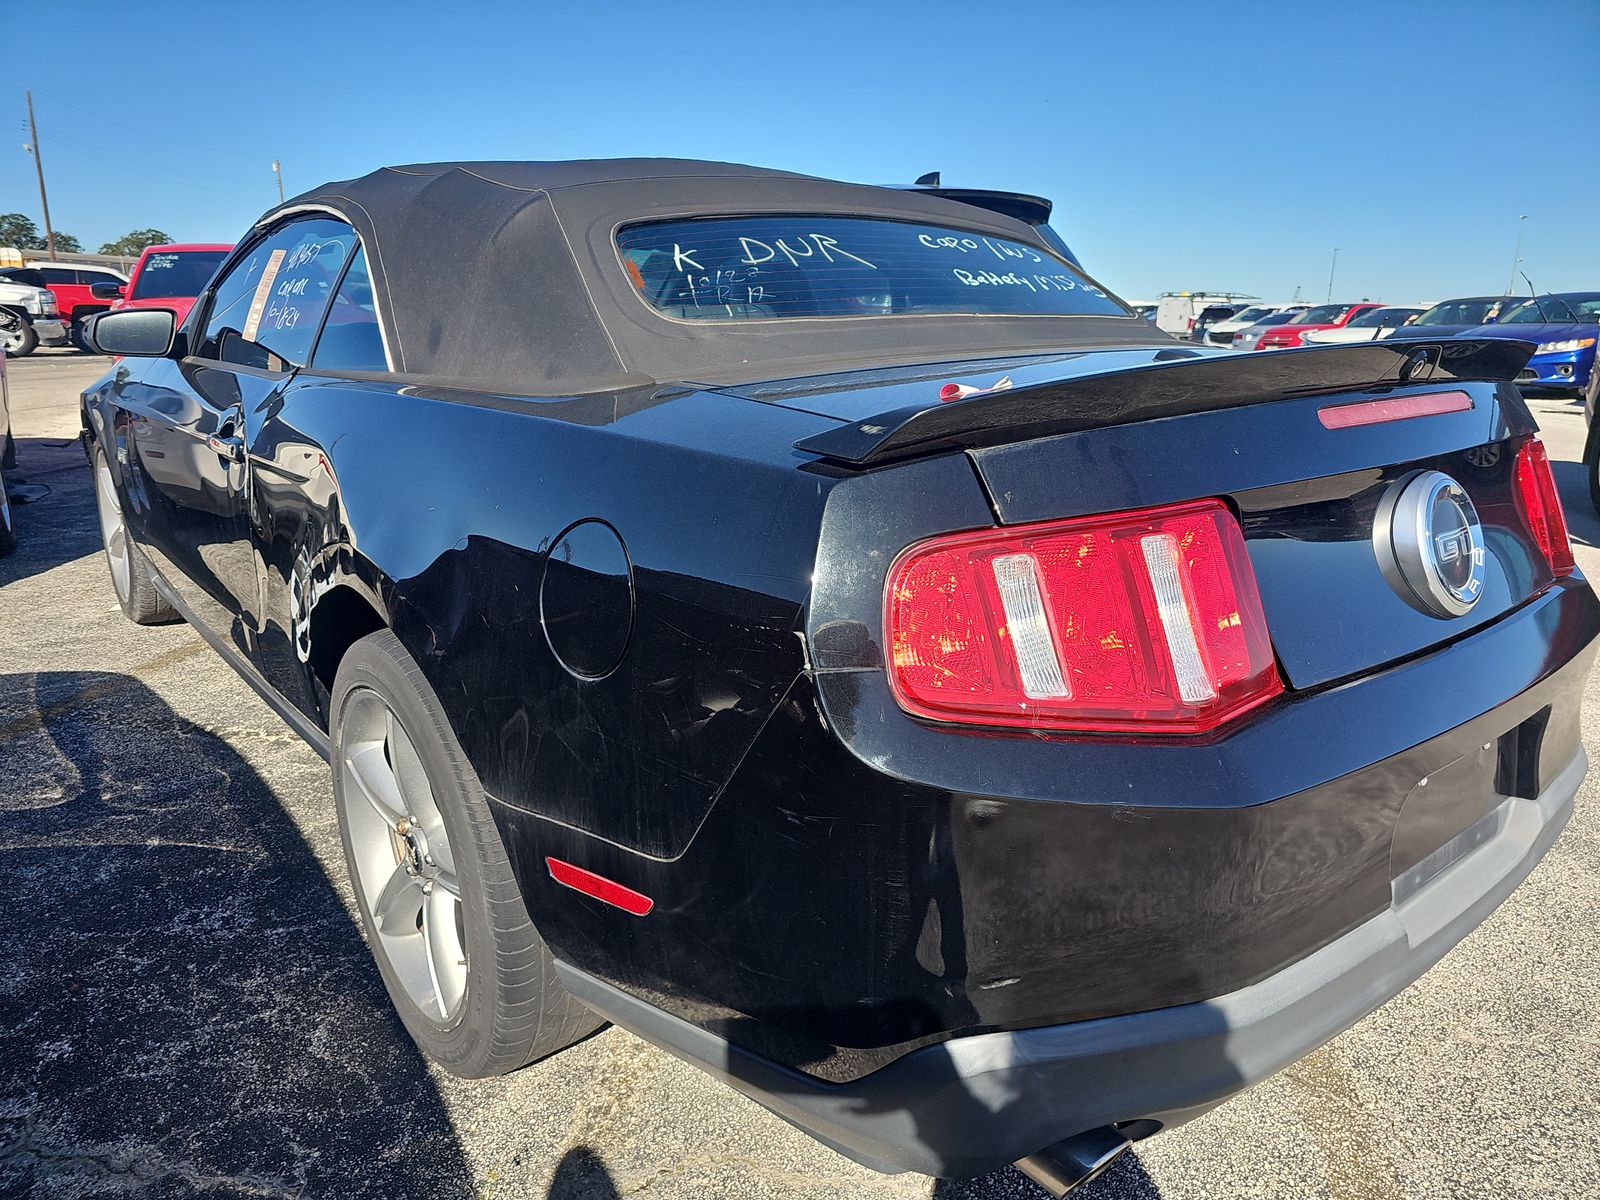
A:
x: 469, y: 975
x: 1591, y: 468
x: 132, y: 576
x: 8, y: 528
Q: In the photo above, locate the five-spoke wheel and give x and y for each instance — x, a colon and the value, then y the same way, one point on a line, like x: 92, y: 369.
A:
x: 439, y: 900
x: 403, y: 862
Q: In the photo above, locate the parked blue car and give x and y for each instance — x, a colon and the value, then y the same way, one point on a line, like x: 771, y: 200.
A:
x: 1564, y: 325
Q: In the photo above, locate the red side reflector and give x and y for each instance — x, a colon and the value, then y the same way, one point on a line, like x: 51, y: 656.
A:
x: 1398, y: 408
x: 1144, y: 621
x: 598, y: 886
x: 1541, y: 505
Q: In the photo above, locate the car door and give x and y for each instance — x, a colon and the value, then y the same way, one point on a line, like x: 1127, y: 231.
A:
x: 186, y: 432
x: 295, y: 504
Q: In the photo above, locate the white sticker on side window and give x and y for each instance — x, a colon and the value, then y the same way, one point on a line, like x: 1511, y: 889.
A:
x: 258, y: 303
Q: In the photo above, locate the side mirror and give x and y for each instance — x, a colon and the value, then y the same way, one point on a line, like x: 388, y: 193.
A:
x: 134, y: 332
x: 108, y: 290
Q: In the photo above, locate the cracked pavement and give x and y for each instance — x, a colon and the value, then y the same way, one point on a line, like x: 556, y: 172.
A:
x: 187, y: 1007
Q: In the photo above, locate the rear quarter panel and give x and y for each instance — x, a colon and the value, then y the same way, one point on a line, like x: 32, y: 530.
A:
x: 450, y: 504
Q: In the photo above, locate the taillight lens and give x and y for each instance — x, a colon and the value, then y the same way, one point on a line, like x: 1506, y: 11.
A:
x: 1143, y: 621
x: 1541, y: 505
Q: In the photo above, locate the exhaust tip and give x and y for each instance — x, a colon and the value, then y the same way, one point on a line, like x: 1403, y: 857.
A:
x: 1066, y: 1165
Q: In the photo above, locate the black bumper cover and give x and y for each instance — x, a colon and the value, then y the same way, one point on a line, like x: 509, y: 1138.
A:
x: 972, y: 1104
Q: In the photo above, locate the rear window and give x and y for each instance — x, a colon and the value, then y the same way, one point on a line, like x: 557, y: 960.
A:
x: 176, y: 273
x: 753, y: 268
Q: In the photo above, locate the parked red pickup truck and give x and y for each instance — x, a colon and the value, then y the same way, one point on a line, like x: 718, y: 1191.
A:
x: 170, y: 277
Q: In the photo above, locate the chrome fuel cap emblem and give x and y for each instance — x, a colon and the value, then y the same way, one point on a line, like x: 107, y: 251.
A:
x: 1429, y: 544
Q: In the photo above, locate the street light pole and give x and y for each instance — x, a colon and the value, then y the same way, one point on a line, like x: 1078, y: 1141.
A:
x: 38, y: 162
x: 1331, y: 269
x: 277, y: 170
x: 1516, y: 257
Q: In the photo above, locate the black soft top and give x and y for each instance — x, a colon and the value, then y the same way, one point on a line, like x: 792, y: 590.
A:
x: 505, y: 276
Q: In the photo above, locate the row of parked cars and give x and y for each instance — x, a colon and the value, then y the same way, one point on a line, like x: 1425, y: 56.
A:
x: 54, y: 301
x: 1564, y: 326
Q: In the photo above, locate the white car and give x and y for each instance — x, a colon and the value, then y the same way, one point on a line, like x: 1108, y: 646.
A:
x: 1221, y: 332
x: 1368, y: 327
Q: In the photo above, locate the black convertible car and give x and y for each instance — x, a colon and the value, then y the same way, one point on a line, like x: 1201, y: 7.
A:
x: 817, y: 628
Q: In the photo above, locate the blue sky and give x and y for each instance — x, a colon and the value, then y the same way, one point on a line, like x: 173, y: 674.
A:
x: 1223, y: 145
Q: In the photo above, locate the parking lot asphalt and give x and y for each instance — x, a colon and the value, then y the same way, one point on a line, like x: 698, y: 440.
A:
x: 187, y: 1007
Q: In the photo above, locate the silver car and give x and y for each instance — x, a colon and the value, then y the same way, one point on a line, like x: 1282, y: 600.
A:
x: 1246, y: 339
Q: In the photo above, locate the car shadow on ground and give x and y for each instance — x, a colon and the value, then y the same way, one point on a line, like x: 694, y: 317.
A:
x: 1572, y: 481
x: 581, y: 1175
x: 53, y: 506
x: 186, y: 1006
x: 1125, y: 1179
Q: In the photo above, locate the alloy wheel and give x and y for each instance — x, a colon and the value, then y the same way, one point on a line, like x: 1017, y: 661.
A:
x: 113, y: 529
x: 404, y: 866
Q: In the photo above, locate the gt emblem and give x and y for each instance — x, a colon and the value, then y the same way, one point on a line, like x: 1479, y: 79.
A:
x: 1429, y: 544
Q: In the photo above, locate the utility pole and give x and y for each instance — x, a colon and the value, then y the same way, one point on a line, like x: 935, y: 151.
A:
x: 38, y: 162
x: 1331, y: 270
x: 1516, y: 257
x: 277, y: 170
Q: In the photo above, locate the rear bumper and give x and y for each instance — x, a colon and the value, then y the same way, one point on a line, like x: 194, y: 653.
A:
x: 972, y: 1104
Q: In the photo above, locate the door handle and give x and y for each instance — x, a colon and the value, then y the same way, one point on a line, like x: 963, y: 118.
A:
x: 230, y: 448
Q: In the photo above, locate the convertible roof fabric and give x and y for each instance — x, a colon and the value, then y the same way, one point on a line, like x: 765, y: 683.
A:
x: 505, y: 277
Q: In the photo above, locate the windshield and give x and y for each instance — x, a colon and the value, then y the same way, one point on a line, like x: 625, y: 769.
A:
x: 1581, y: 307
x: 755, y: 268
x: 26, y: 276
x: 1460, y: 312
x: 1375, y: 318
x: 1325, y: 314
x: 1251, y: 315
x: 176, y: 273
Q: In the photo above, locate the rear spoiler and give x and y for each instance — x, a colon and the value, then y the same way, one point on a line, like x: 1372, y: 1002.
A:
x: 1165, y: 389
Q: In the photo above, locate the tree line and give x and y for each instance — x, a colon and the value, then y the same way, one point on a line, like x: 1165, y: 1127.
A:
x: 17, y: 229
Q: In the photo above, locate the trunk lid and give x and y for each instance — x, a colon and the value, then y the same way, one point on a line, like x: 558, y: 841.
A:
x: 1095, y: 433
x: 1309, y: 499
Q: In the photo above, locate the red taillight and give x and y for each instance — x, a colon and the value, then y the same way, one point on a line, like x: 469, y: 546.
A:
x: 1141, y: 621
x: 1541, y: 505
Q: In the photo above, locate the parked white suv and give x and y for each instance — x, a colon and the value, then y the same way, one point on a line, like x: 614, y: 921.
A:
x: 41, y: 319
